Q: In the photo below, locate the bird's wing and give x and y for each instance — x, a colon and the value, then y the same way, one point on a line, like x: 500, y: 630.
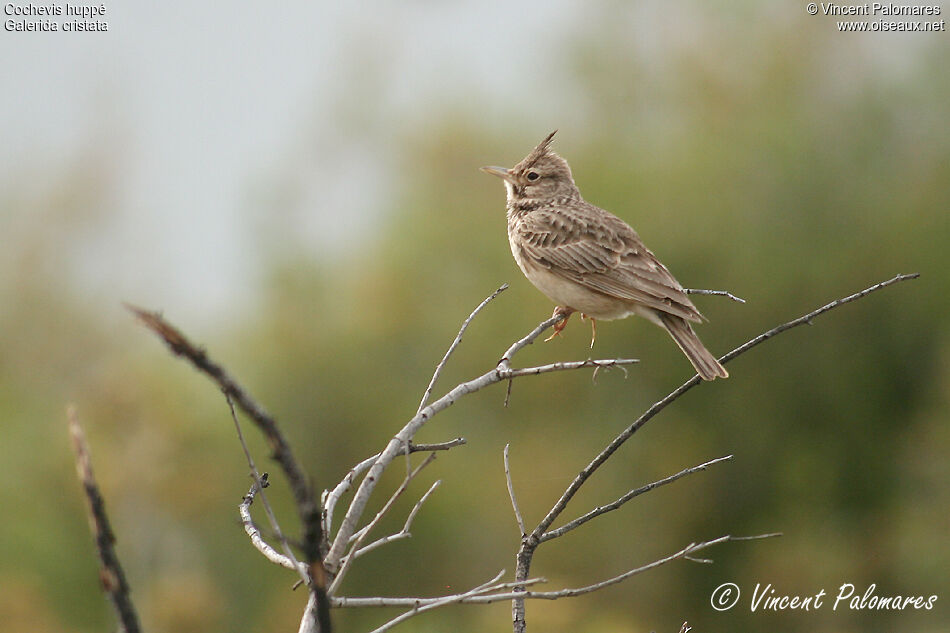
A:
x: 598, y: 250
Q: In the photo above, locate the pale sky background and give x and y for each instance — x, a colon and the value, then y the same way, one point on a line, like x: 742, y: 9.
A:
x: 200, y: 110
x: 198, y: 107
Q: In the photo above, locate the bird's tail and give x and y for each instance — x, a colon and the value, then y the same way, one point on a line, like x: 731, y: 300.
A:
x: 705, y: 363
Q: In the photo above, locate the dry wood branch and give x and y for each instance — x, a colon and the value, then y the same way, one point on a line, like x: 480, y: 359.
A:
x: 683, y: 553
x: 333, y: 497
x: 521, y: 343
x: 397, y: 444
x: 492, y: 596
x: 689, y: 384
x: 421, y: 605
x: 530, y: 543
x: 380, y: 601
x: 358, y: 537
x: 568, y: 365
x: 257, y: 539
x: 306, y: 502
x: 636, y: 492
x: 268, y: 510
x: 455, y: 343
x: 404, y: 532
x: 511, y: 494
x: 110, y: 570
x: 282, y: 453
x: 720, y: 293
x: 416, y: 610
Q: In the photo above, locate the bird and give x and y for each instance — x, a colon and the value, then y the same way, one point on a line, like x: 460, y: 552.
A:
x: 588, y: 260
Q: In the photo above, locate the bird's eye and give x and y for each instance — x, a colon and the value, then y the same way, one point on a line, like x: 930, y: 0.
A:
x: 533, y: 175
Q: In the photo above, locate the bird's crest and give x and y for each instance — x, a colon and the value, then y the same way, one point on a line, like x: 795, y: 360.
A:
x: 542, y: 149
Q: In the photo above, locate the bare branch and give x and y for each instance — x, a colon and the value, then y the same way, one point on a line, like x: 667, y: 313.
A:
x: 489, y: 596
x: 511, y: 493
x: 379, y: 601
x: 520, y: 344
x: 404, y: 532
x: 808, y: 318
x: 596, y: 512
x: 410, y: 475
x: 683, y: 553
x: 110, y: 569
x: 721, y: 293
x: 455, y: 343
x: 331, y: 498
x: 416, y: 610
x: 317, y: 616
x: 530, y: 543
x: 260, y: 485
x: 307, y: 506
x: 358, y: 537
x: 438, y: 446
x: 397, y: 444
x: 689, y: 384
x: 567, y: 366
x: 257, y: 540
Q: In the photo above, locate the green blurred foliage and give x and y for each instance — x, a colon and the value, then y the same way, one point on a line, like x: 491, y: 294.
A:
x: 759, y: 162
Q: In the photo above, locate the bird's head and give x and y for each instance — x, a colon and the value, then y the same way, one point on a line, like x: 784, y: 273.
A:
x: 541, y: 175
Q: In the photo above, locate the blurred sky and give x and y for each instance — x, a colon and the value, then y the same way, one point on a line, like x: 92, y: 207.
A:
x: 195, y: 108
x: 197, y: 113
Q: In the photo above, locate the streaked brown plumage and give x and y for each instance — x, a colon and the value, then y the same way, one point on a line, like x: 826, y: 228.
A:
x: 590, y: 261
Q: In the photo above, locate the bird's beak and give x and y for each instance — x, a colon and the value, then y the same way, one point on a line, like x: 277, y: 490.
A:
x: 502, y: 172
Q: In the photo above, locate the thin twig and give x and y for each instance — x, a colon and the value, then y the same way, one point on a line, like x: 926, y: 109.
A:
x: 438, y: 446
x: 683, y: 553
x: 521, y: 343
x: 808, y: 318
x: 317, y: 616
x: 380, y: 601
x: 598, y: 364
x: 396, y: 445
x: 306, y: 502
x: 410, y: 475
x: 529, y: 544
x: 350, y: 602
x: 331, y: 498
x: 257, y: 539
x: 689, y: 384
x: 721, y: 293
x: 110, y: 569
x: 416, y: 610
x: 455, y: 343
x: 596, y: 512
x: 511, y: 494
x: 358, y: 537
x: 268, y: 510
x: 404, y: 532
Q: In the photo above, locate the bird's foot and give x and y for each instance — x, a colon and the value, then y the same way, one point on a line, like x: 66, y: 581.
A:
x: 593, y: 328
x: 561, y: 311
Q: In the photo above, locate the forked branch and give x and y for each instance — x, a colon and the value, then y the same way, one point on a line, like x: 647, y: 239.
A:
x: 308, y: 508
x: 531, y: 541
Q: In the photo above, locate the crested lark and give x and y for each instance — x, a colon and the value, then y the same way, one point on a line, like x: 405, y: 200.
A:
x: 590, y: 261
